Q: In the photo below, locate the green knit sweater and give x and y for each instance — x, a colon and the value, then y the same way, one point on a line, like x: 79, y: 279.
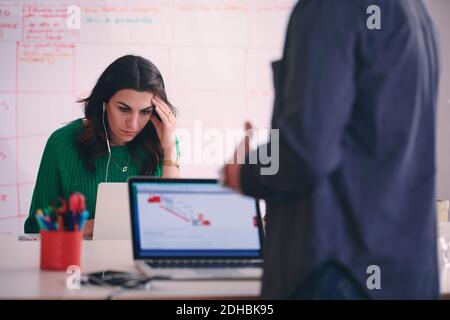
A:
x: 62, y: 172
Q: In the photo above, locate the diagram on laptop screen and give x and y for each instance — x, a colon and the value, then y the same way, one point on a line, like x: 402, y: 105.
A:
x: 179, y: 210
x: 193, y: 221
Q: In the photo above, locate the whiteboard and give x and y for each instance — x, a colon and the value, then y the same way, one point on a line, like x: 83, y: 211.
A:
x: 214, y: 56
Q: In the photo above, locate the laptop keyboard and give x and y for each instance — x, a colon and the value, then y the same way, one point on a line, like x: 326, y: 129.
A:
x: 198, y: 263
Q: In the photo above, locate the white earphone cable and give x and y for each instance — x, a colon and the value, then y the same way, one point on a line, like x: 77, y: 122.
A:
x: 107, y: 144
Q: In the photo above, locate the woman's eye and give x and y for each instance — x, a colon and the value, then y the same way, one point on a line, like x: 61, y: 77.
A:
x: 146, y: 112
x: 123, y: 109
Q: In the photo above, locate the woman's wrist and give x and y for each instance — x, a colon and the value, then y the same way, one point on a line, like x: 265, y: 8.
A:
x: 170, y: 158
x: 169, y: 153
x: 170, y: 163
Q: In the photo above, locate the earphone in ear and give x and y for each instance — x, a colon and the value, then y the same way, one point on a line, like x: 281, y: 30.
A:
x: 107, y: 143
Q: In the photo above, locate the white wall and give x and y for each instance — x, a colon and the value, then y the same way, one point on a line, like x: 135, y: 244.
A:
x: 440, y: 12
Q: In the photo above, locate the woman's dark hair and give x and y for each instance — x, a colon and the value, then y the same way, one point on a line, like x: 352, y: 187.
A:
x: 127, y: 72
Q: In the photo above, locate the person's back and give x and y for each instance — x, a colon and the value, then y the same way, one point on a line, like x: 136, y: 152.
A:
x: 387, y: 178
x: 356, y: 113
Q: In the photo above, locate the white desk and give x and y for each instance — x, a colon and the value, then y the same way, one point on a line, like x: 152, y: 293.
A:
x: 21, y: 278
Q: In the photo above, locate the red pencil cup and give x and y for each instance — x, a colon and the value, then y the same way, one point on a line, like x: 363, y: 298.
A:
x: 60, y: 249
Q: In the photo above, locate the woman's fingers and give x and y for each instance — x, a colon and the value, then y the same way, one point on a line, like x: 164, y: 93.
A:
x: 162, y: 115
x: 164, y: 108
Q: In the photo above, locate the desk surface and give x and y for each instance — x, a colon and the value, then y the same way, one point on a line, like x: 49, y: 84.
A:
x: 21, y: 278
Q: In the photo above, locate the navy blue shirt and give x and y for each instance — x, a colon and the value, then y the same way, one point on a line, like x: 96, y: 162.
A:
x: 355, y: 109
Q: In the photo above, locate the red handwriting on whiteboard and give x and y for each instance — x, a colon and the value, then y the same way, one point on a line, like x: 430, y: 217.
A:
x: 6, y: 24
x: 2, y: 156
x: 44, y: 23
x: 45, y: 52
x: 3, y: 197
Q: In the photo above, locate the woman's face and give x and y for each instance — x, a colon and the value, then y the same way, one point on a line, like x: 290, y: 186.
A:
x: 128, y: 112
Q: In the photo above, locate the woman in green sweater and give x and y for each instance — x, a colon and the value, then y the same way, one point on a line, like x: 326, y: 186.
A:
x: 128, y: 130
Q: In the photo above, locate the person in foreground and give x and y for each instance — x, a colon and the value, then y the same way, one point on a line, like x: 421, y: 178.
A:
x: 351, y: 211
x: 128, y: 130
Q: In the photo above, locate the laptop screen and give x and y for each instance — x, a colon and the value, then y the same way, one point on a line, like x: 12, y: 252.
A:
x: 195, y: 219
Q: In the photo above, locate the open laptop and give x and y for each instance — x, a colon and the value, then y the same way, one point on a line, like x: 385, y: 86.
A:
x: 112, y: 212
x: 194, y: 229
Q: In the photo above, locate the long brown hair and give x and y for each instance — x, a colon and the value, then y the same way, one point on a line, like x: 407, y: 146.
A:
x: 127, y: 72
